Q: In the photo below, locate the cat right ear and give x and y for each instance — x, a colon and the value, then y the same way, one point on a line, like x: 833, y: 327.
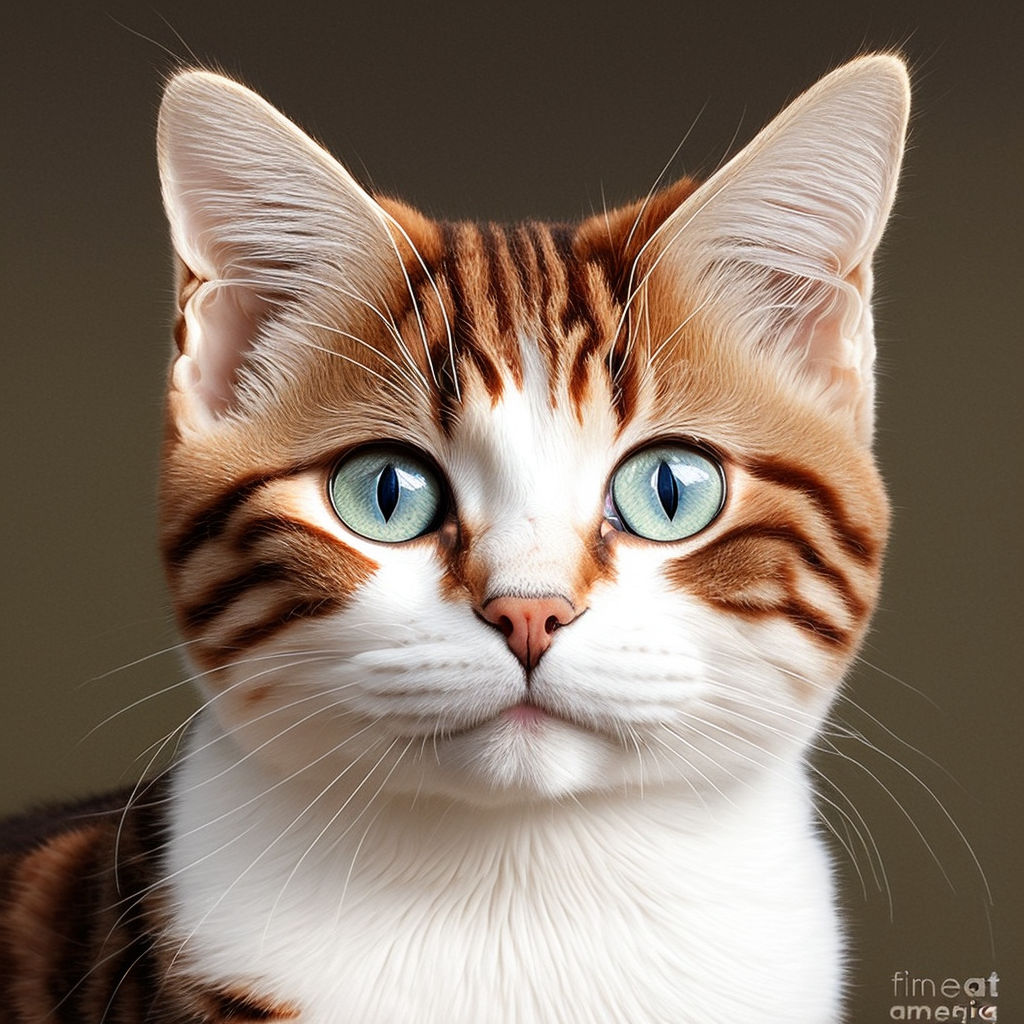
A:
x: 261, y: 216
x: 774, y: 251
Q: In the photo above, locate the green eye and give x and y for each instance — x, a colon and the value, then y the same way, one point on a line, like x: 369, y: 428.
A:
x: 667, y: 492
x: 386, y: 493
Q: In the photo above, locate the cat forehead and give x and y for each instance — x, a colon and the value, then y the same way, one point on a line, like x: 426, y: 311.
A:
x: 532, y: 440
x: 495, y: 338
x: 490, y: 297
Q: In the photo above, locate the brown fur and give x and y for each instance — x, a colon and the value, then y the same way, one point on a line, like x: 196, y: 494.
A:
x: 83, y: 942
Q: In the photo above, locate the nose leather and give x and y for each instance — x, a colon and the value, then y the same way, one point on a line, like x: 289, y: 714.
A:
x: 528, y: 623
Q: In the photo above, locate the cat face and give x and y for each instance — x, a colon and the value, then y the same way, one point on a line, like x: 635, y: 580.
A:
x: 521, y: 513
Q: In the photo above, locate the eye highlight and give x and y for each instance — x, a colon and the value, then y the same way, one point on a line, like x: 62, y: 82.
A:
x: 387, y: 493
x: 667, y: 492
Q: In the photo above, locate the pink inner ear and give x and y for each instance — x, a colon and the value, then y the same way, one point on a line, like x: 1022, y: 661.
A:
x: 827, y: 333
x: 221, y: 323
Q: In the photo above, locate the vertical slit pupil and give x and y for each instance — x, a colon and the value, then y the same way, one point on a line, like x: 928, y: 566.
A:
x: 668, y: 491
x: 388, y: 490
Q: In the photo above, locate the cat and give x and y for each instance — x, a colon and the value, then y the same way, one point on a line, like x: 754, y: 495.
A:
x: 518, y: 568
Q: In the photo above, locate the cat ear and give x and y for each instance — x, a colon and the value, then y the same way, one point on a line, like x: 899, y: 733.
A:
x: 261, y: 216
x: 775, y: 249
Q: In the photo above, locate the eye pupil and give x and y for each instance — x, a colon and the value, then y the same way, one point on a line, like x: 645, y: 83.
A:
x: 388, y: 490
x: 665, y: 492
x: 387, y: 493
x: 668, y: 491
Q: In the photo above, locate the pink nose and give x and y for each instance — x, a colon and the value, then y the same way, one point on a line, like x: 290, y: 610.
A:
x: 529, y: 623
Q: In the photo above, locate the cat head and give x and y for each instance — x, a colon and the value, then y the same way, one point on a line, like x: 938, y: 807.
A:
x: 521, y: 512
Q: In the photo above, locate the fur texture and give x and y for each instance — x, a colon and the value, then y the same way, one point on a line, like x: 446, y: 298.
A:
x: 385, y: 810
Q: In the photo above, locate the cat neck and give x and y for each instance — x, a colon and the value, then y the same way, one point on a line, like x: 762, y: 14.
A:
x: 220, y: 791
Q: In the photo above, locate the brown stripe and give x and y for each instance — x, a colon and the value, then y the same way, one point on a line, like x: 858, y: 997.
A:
x: 808, y: 619
x: 858, y: 541
x: 321, y: 573
x: 799, y: 613
x: 727, y: 573
x: 36, y: 922
x: 804, y: 547
x: 625, y: 379
x: 212, y: 520
x: 76, y: 954
x: 266, y: 527
x: 242, y: 1007
x: 222, y: 595
x: 552, y: 297
x: 572, y: 312
x: 284, y: 615
x: 439, y: 315
x: 495, y: 251
x: 470, y: 320
x: 585, y: 289
x: 79, y: 949
x: 583, y: 301
x: 523, y: 255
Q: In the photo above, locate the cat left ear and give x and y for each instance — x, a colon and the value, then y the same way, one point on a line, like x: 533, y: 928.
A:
x: 775, y: 249
x: 264, y: 220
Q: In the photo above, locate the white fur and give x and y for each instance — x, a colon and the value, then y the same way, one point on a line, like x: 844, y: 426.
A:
x: 604, y: 909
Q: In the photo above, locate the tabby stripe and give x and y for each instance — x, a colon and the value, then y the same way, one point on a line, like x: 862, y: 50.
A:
x: 796, y: 611
x: 131, y: 970
x: 579, y: 309
x: 141, y: 862
x: 525, y: 261
x: 35, y: 922
x: 809, y: 555
x: 467, y: 324
x: 211, y: 522
x: 234, y: 1006
x: 582, y: 302
x: 275, y: 525
x: 73, y: 958
x: 284, y: 615
x: 856, y: 540
x: 498, y: 289
x: 698, y: 573
x: 808, y: 619
x: 553, y: 292
x: 438, y: 309
x: 224, y: 594
x: 79, y: 948
x: 625, y: 379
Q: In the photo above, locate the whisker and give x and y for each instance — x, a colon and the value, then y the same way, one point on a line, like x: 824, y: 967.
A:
x: 334, y: 817
x: 399, y: 369
x: 657, y: 181
x: 139, y: 661
x: 440, y: 301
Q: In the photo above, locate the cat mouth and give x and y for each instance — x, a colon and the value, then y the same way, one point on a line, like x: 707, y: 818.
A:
x: 526, y: 714
x: 529, y: 716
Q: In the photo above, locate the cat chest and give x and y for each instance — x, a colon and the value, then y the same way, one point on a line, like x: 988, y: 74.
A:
x: 513, y: 940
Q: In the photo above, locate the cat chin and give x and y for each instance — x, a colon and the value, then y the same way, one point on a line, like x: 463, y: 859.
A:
x: 508, y: 760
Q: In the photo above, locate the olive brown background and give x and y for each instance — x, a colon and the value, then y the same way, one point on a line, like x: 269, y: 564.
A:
x: 502, y: 112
